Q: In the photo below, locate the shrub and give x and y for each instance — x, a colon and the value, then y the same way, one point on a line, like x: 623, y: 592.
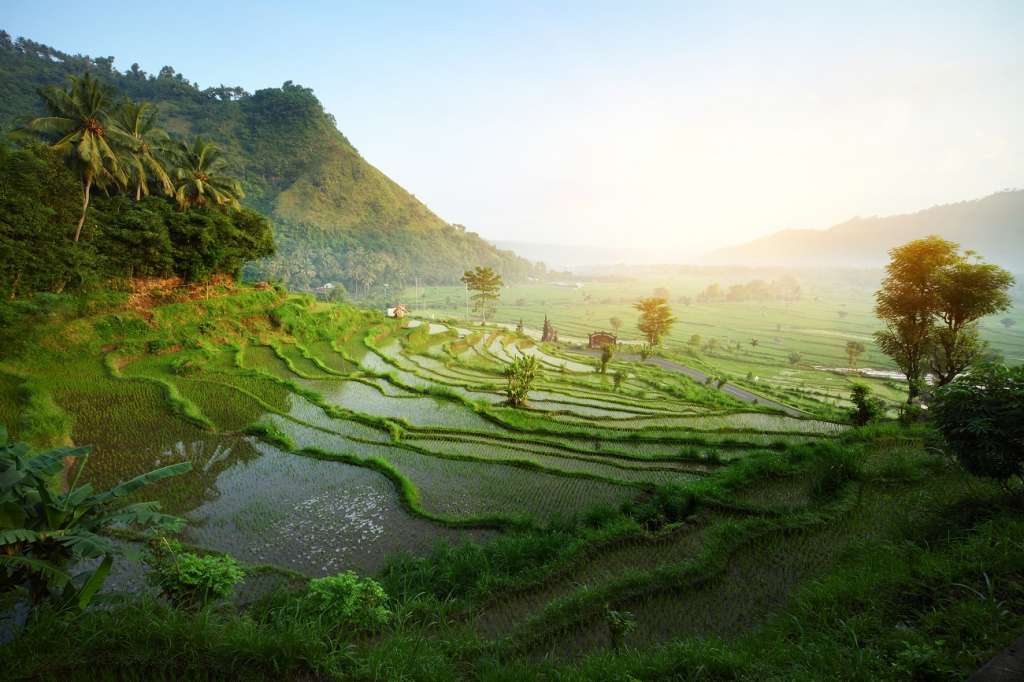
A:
x: 668, y: 504
x: 980, y: 417
x: 520, y: 375
x: 348, y: 600
x: 189, y: 580
x: 866, y: 408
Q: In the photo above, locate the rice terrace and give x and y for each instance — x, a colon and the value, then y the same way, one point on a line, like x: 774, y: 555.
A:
x: 264, y: 415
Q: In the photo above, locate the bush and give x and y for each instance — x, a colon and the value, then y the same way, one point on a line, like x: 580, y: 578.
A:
x: 980, y: 418
x: 349, y: 600
x: 867, y: 408
x: 668, y: 504
x: 189, y: 580
x: 520, y: 375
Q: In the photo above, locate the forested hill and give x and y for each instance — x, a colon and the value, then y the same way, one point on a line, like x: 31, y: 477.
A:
x: 993, y: 225
x: 336, y: 217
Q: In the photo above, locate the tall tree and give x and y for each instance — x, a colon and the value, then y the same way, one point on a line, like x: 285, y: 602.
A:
x: 655, y: 318
x: 930, y: 300
x: 616, y: 324
x: 854, y: 349
x: 485, y: 284
x: 78, y: 126
x: 138, y: 121
x: 199, y: 176
x: 907, y: 304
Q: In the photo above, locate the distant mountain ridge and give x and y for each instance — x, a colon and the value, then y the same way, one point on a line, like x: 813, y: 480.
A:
x: 992, y: 226
x: 295, y: 165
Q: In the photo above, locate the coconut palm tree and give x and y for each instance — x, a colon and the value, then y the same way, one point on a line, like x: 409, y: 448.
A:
x: 138, y: 121
x: 78, y: 126
x: 199, y: 179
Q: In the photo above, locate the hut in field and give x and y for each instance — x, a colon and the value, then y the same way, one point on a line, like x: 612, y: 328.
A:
x: 602, y: 339
x: 398, y: 310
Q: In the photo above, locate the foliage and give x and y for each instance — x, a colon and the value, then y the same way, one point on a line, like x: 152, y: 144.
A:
x: 42, y: 531
x: 122, y: 238
x: 485, y: 284
x: 620, y: 624
x: 668, y: 504
x: 979, y: 415
x: 607, y: 353
x: 348, y: 600
x: 866, y: 407
x: 191, y: 580
x: 141, y: 157
x: 854, y: 349
x: 200, y: 176
x: 80, y: 128
x: 929, y: 302
x: 616, y: 323
x: 655, y: 319
x: 520, y: 375
x: 618, y: 378
x: 795, y: 358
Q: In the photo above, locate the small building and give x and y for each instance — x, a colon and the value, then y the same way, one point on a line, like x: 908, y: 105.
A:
x: 602, y: 339
x: 398, y: 310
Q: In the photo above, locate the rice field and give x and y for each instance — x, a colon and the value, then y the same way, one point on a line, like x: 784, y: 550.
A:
x: 331, y: 449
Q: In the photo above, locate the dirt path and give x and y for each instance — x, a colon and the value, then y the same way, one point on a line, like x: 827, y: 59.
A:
x: 1007, y: 666
x: 700, y: 377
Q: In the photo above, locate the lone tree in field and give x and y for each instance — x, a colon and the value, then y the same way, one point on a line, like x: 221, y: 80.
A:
x: 854, y: 349
x: 616, y: 324
x: 607, y: 353
x: 754, y: 343
x: 519, y: 376
x: 485, y: 284
x: 1008, y: 322
x: 655, y: 318
x: 795, y: 358
x: 930, y: 301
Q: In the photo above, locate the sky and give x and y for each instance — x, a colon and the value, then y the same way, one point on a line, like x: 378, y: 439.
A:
x: 669, y: 126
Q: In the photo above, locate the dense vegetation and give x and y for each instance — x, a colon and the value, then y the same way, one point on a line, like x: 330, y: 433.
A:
x: 336, y: 217
x: 40, y: 203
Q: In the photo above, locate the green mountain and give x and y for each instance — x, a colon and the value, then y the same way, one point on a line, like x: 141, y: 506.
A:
x: 336, y: 217
x: 993, y: 226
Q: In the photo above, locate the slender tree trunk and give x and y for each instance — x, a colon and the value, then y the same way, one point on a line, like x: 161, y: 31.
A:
x: 138, y: 192
x: 86, y: 189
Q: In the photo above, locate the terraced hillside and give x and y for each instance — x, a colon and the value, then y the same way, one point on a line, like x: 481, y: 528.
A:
x: 326, y: 438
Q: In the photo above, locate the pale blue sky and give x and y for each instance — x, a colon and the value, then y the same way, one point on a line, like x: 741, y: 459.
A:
x: 689, y: 125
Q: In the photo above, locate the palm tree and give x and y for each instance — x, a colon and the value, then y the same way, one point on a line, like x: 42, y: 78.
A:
x: 78, y: 125
x: 138, y: 121
x: 199, y: 179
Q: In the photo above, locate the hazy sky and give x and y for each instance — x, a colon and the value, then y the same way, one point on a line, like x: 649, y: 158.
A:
x: 685, y: 125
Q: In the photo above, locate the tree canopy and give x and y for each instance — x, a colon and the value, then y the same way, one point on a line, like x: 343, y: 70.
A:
x: 485, y: 284
x: 929, y: 302
x: 655, y: 318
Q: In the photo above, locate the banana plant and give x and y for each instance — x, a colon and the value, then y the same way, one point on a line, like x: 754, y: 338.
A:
x: 43, y: 531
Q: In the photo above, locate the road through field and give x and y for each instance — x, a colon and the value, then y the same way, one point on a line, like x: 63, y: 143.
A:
x: 701, y: 377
